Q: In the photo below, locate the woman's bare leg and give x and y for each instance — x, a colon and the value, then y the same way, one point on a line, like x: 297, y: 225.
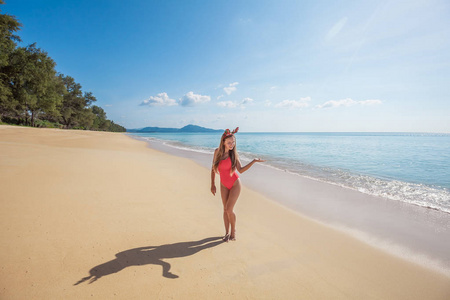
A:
x: 224, y: 192
x: 233, y: 195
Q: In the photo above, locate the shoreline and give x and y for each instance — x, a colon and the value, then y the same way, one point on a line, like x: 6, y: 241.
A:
x: 411, y: 232
x: 401, y: 187
x: 101, y: 215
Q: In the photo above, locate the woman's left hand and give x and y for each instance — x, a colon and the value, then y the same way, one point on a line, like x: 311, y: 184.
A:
x: 259, y: 160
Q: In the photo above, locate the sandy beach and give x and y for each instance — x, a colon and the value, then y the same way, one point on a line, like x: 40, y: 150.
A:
x: 102, y: 216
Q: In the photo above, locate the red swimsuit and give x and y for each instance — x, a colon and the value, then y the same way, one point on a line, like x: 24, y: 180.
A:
x: 226, y: 178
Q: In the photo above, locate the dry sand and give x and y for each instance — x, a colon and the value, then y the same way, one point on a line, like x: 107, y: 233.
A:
x: 100, y: 215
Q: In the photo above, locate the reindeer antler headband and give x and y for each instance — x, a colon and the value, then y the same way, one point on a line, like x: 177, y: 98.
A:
x: 227, y: 132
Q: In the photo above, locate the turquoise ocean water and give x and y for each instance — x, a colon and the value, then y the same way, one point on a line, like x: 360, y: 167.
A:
x: 408, y: 167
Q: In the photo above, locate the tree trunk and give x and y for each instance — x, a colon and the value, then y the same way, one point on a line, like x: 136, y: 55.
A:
x: 64, y: 122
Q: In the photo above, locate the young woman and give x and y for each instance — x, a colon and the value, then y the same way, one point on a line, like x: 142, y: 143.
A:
x: 226, y: 162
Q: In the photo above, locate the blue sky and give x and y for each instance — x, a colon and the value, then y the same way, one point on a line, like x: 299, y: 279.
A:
x: 260, y: 65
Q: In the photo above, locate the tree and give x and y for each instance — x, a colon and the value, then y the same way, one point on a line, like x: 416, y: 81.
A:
x: 75, y: 107
x: 116, y: 127
x: 100, y: 121
x: 8, y: 42
x: 34, y: 85
x: 59, y: 89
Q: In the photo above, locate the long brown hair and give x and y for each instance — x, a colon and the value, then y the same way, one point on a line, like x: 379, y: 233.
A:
x: 233, y: 153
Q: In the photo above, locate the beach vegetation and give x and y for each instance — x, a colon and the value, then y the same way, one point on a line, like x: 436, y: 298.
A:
x: 35, y: 90
x: 33, y: 93
x: 47, y: 124
x: 9, y: 25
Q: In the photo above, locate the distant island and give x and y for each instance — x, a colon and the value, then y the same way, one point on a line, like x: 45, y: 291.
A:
x: 187, y: 128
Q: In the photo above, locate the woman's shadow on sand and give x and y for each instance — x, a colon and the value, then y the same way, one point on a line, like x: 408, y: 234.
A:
x: 150, y: 255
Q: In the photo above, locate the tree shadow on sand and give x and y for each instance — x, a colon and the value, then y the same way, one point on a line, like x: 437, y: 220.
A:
x: 150, y: 255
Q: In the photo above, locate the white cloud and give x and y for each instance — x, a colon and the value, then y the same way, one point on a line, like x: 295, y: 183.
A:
x: 371, y: 102
x: 229, y: 104
x: 247, y: 101
x: 347, y: 102
x: 337, y: 103
x: 234, y: 104
x: 302, y: 103
x: 267, y: 103
x: 336, y: 28
x: 162, y: 99
x: 220, y: 97
x: 230, y: 88
x: 191, y: 99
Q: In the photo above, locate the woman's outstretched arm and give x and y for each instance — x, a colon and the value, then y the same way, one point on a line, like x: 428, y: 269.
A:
x: 213, y: 175
x: 242, y: 169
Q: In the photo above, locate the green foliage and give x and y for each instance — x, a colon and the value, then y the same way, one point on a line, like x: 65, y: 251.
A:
x: 73, y: 101
x: 32, y: 93
x: 116, y: 128
x: 8, y: 42
x: 47, y: 124
x: 33, y: 82
x: 100, y: 121
x: 8, y: 26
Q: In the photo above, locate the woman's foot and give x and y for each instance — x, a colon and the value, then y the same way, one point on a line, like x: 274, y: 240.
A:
x: 226, y: 237
x: 233, y: 236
